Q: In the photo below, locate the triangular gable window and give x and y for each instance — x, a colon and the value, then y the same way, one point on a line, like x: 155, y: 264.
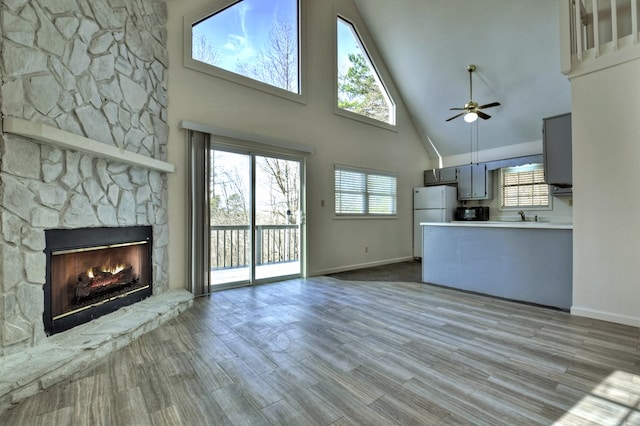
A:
x: 255, y: 39
x: 360, y: 88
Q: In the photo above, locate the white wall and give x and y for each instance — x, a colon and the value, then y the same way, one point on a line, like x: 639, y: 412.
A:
x: 333, y: 244
x: 606, y: 151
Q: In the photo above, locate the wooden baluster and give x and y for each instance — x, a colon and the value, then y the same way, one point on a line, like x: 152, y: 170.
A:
x: 578, y: 29
x: 614, y: 24
x: 634, y: 21
x: 596, y: 28
x: 567, y: 35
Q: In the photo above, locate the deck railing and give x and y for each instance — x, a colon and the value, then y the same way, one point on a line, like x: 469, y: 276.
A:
x: 597, y: 34
x: 231, y: 245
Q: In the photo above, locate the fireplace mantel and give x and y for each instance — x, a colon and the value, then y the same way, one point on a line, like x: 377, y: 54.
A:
x: 60, y: 138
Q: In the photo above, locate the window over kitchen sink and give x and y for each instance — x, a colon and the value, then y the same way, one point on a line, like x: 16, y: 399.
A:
x: 523, y: 187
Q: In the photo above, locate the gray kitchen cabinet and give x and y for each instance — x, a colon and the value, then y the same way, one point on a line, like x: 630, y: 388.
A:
x: 557, y: 150
x: 446, y: 175
x: 431, y: 177
x: 474, y: 182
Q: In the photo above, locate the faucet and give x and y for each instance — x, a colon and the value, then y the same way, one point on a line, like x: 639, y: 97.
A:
x: 521, y: 213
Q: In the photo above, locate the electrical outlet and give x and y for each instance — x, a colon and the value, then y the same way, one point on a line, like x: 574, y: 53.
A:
x: 321, y: 203
x: 366, y: 249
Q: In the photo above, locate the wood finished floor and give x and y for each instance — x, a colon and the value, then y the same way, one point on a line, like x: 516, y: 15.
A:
x: 328, y: 352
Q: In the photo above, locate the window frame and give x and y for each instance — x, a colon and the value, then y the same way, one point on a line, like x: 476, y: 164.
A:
x: 218, y: 6
x: 374, y: 59
x: 366, y: 172
x: 376, y: 75
x: 536, y: 166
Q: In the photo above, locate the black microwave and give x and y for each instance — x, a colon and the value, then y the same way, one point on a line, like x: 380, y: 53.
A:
x: 472, y: 213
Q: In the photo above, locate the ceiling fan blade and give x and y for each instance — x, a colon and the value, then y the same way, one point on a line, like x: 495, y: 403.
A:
x: 492, y: 104
x: 457, y: 109
x: 455, y: 116
x: 483, y: 115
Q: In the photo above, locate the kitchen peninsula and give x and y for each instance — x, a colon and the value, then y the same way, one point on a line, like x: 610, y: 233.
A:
x: 524, y: 261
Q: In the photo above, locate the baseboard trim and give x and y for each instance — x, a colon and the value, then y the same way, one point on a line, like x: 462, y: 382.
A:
x: 605, y: 316
x: 359, y: 266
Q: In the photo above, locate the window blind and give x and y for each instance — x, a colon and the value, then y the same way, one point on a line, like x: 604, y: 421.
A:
x: 365, y: 192
x: 524, y: 187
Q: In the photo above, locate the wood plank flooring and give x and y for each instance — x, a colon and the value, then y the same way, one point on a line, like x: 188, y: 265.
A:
x: 322, y: 351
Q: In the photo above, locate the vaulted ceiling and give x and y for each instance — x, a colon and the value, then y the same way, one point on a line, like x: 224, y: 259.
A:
x: 427, y: 45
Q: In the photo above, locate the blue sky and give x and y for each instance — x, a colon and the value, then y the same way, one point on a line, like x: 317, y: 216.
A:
x: 239, y: 32
x: 347, y: 44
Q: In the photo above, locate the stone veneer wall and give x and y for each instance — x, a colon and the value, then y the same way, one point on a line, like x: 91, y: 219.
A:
x: 96, y: 68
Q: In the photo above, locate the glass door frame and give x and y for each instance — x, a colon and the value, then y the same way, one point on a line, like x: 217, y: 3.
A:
x: 252, y: 153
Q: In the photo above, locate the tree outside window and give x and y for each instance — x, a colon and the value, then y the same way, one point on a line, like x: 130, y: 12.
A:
x: 252, y: 38
x: 360, y: 89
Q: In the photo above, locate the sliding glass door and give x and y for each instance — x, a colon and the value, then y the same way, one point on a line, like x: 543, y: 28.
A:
x: 278, y: 214
x: 230, y: 217
x: 255, y: 217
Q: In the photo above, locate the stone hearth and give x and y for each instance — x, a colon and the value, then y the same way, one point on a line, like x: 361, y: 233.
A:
x: 36, y: 368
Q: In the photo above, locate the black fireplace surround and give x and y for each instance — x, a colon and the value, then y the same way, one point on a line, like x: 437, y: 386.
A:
x: 94, y: 271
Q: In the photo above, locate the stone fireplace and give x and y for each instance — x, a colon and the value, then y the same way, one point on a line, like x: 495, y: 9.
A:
x: 93, y: 74
x: 83, y: 97
x: 83, y: 148
x: 94, y: 271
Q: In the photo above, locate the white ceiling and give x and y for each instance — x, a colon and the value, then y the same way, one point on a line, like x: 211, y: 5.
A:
x: 427, y: 45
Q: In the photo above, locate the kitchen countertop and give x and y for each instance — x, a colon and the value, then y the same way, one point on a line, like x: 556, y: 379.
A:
x: 503, y: 224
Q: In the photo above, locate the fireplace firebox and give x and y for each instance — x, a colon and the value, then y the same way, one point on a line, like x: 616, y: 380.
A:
x: 94, y: 271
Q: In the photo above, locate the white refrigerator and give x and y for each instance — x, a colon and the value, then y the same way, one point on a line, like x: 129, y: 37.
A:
x: 431, y: 204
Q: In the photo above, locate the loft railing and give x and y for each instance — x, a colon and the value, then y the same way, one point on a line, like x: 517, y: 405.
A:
x: 597, y: 34
x: 231, y: 245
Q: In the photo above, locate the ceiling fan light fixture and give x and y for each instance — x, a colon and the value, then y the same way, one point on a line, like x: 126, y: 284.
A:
x: 470, y: 117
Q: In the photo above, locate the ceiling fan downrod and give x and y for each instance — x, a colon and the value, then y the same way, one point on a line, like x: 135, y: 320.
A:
x: 471, y: 68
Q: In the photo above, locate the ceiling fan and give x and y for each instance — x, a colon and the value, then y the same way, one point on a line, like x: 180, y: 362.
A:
x: 471, y: 109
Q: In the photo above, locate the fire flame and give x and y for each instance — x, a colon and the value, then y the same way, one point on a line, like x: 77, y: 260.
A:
x: 111, y: 269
